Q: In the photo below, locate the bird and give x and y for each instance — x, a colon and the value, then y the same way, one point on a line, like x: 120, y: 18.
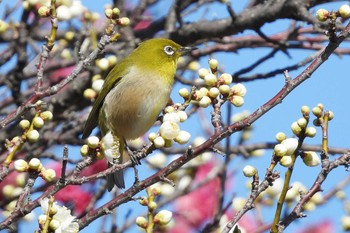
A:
x: 133, y: 95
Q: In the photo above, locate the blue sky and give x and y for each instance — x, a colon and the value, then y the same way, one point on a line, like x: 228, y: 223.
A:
x: 328, y: 85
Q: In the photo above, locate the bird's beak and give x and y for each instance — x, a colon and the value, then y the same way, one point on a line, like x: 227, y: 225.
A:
x: 186, y: 50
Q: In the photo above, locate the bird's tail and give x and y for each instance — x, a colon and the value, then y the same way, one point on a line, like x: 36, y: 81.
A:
x: 116, y: 178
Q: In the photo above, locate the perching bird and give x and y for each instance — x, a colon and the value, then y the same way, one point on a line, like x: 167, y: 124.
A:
x: 134, y: 93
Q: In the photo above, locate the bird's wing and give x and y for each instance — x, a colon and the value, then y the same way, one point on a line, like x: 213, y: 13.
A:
x: 113, y: 78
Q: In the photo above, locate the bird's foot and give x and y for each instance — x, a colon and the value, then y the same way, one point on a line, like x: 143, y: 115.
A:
x: 133, y: 155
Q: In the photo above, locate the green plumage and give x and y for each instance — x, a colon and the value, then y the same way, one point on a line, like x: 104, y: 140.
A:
x: 134, y: 93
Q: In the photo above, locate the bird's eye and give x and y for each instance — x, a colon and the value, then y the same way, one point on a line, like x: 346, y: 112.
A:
x: 169, y: 50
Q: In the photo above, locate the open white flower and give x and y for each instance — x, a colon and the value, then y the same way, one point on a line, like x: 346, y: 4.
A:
x: 63, y: 216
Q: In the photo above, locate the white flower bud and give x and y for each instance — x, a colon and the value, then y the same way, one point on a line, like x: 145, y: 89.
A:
x: 292, y: 193
x: 152, y: 136
x: 54, y: 224
x: 286, y: 161
x: 202, y: 72
x: 152, y: 205
x: 344, y: 11
x: 210, y: 79
x: 305, y: 110
x: 317, y: 198
x: 124, y: 21
x: 204, y: 91
x: 194, y: 65
x: 302, y: 122
x: 239, y: 89
x: 184, y: 93
x: 317, y: 111
x: 8, y: 190
x: 66, y: 54
x: 226, y: 78
x: 42, y: 219
x: 33, y: 135
x: 205, y: 102
x: 213, y: 64
x: 182, y: 115
x: 296, y: 128
x: 237, y: 100
x: 97, y: 85
x: 93, y: 142
x: 44, y: 11
x: 330, y: 115
x: 224, y: 89
x: 84, y: 150
x: 163, y: 217
x: 103, y: 64
x: 311, y: 158
x: 3, y: 26
x: 21, y: 165
x: 310, y: 132
x: 24, y: 124
x: 275, y: 189
x: 345, y: 221
x: 141, y: 222
x: 183, y: 137
x: 89, y: 94
x: 280, y: 150
x: 280, y: 136
x: 112, y: 60
x: 169, y: 130
x: 34, y: 164
x: 115, y: 12
x: 69, y: 35
x: 172, y: 116
x: 38, y: 122
x: 76, y: 8
x: 214, y: 92
x: 309, y: 206
x: 157, y: 160
x: 48, y: 174
x: 238, y: 203
x: 291, y: 145
x: 63, y: 13
x: 322, y: 15
x: 159, y: 142
x: 46, y: 115
x: 249, y: 171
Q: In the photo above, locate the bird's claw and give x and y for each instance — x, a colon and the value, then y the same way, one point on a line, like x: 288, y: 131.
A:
x: 133, y: 156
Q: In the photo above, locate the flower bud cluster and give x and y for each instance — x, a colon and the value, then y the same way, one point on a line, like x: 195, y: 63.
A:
x: 170, y: 131
x: 249, y: 171
x: 93, y: 143
x: 162, y: 218
x: 319, y: 113
x: 35, y: 165
x: 60, y: 217
x: 343, y: 11
x: 113, y: 15
x: 66, y: 10
x: 285, y: 149
x: 297, y: 190
x: 31, y: 129
x: 215, y: 86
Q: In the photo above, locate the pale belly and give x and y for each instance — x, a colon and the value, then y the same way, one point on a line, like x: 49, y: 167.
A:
x: 132, y: 108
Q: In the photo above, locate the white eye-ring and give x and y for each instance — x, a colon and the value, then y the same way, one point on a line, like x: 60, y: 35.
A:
x: 169, y: 50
